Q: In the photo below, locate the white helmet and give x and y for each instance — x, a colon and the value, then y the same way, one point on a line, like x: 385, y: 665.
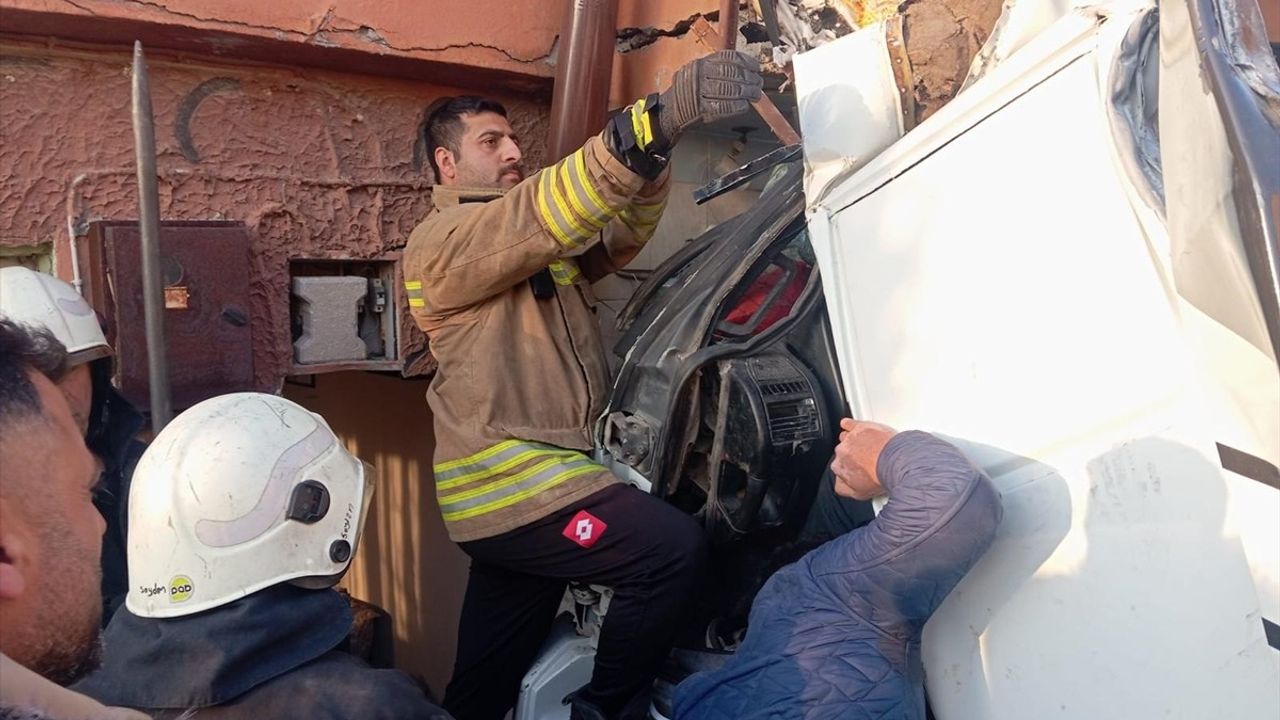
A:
x: 34, y: 298
x: 239, y: 493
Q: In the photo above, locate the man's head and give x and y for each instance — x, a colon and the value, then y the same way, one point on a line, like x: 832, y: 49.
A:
x: 470, y: 143
x: 50, y: 532
x: 45, y: 302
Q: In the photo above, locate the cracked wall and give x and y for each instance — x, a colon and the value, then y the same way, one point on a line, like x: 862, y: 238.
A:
x: 513, y: 42
x: 316, y: 164
x: 653, y: 42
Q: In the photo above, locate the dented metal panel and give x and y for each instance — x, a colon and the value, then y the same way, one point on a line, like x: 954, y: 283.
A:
x: 1019, y: 23
x: 1222, y: 163
x: 846, y: 117
x: 1003, y: 276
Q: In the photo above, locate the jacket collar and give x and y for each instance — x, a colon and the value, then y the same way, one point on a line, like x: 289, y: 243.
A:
x: 213, y: 657
x: 447, y: 196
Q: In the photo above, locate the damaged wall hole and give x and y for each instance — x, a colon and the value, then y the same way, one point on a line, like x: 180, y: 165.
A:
x: 634, y: 38
x: 753, y: 31
x: 941, y: 36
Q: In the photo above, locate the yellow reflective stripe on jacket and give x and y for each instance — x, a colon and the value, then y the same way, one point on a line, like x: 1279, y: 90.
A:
x: 493, y: 461
x: 569, y: 205
x: 648, y: 212
x: 561, y: 203
x: 643, y: 219
x: 485, y: 454
x: 577, y: 196
x: 580, y: 172
x: 493, y: 453
x: 511, y: 490
x: 413, y: 289
x: 564, y: 272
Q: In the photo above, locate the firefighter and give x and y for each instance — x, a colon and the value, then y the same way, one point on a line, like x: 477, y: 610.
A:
x: 244, y: 512
x: 498, y: 276
x: 108, y: 421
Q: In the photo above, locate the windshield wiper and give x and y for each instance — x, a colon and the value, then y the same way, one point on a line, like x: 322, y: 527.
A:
x: 742, y: 175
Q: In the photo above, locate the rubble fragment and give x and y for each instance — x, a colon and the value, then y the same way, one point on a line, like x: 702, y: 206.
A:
x: 942, y: 36
x: 634, y: 38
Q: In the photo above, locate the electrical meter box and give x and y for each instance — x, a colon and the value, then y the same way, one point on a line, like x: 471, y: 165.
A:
x: 344, y: 315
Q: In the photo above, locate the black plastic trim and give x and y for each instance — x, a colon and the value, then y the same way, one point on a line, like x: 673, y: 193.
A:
x: 1273, y: 633
x: 1250, y: 466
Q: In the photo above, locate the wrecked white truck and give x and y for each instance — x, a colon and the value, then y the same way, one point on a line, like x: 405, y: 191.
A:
x: 1072, y: 272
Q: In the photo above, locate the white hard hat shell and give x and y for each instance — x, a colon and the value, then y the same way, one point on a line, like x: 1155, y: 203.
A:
x: 41, y: 300
x: 208, y: 503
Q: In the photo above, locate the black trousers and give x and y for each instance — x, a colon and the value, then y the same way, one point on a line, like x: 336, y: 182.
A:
x: 649, y: 552
x: 832, y: 515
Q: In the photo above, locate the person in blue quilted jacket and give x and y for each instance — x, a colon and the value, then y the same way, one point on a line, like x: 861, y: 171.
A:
x: 837, y: 634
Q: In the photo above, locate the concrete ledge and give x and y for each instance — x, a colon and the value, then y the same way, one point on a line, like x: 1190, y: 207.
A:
x: 329, y: 310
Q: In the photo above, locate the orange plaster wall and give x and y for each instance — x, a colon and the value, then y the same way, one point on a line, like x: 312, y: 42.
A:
x: 648, y: 69
x: 514, y: 39
x: 317, y: 164
x: 502, y: 45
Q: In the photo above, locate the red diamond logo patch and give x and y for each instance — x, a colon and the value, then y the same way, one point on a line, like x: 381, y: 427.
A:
x: 585, y: 529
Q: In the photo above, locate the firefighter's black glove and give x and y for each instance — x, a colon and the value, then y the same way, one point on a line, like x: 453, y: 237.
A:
x: 718, y: 86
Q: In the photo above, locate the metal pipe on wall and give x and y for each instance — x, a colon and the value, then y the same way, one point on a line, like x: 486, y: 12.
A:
x: 580, y: 100
x: 729, y: 24
x: 144, y: 146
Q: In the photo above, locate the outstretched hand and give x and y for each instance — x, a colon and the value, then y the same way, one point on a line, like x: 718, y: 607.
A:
x: 856, y: 456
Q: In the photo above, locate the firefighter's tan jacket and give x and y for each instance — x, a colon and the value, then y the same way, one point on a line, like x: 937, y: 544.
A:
x: 521, y: 380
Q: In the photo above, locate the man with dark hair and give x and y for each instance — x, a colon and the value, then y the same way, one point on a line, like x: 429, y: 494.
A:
x: 50, y: 535
x: 108, y: 421
x: 25, y: 352
x: 498, y: 276
x: 836, y: 635
x: 446, y: 128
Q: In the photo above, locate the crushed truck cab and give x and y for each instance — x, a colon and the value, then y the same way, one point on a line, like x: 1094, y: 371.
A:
x: 1070, y: 272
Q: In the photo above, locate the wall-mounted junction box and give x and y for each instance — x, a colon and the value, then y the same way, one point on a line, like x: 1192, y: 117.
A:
x: 343, y: 315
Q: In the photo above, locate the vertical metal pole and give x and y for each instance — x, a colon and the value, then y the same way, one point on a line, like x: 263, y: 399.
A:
x: 144, y: 147
x: 580, y: 98
x: 729, y: 24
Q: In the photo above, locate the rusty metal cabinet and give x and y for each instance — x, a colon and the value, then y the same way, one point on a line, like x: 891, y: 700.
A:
x: 208, y: 326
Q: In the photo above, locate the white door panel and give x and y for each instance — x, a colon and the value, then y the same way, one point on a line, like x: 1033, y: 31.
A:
x: 998, y: 285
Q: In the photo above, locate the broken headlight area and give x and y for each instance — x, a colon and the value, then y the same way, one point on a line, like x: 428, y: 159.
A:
x: 727, y: 399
